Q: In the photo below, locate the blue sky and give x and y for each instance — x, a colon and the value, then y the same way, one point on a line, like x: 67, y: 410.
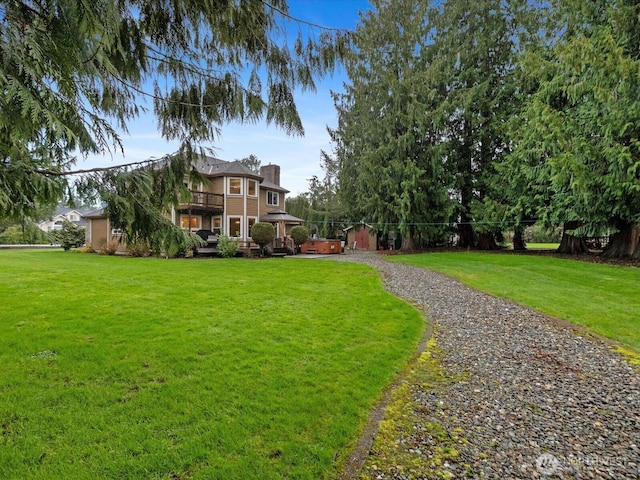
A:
x: 298, y: 157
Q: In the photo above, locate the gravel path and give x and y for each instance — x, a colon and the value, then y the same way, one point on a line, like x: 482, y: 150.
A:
x: 537, y: 399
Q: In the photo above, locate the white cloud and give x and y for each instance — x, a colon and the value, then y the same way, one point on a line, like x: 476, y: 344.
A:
x: 298, y: 157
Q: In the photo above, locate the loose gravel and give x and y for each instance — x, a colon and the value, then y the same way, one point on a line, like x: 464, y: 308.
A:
x: 535, y: 399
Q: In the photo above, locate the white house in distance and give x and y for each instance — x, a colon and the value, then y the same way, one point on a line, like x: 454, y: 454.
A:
x: 55, y: 222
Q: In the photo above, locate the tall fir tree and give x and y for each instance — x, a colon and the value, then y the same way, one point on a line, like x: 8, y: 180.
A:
x: 578, y: 137
x: 73, y: 74
x: 389, y: 173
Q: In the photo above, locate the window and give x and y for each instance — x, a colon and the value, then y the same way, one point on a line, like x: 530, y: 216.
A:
x: 192, y: 222
x: 235, y: 224
x: 235, y: 186
x: 216, y: 225
x: 273, y: 199
x: 252, y: 188
x: 251, y: 221
x: 73, y: 217
x: 189, y: 185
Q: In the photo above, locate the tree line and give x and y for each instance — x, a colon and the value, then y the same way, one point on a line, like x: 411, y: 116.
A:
x: 491, y: 115
x: 487, y: 114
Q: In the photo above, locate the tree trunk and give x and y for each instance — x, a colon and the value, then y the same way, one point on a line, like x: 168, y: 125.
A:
x: 518, y: 240
x: 407, y: 243
x: 624, y: 243
x: 466, y: 234
x: 487, y: 241
x: 569, y: 243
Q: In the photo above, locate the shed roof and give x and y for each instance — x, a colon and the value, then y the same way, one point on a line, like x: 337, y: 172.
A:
x: 357, y: 225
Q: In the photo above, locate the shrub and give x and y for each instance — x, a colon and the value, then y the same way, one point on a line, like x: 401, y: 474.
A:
x: 263, y: 233
x: 28, y: 233
x: 542, y: 234
x: 300, y: 234
x: 70, y: 235
x: 107, y: 247
x: 138, y: 248
x: 227, y: 246
x: 186, y: 246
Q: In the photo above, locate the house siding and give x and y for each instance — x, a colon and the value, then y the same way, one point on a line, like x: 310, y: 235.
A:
x: 235, y: 206
x: 252, y: 207
x: 264, y: 207
x: 216, y: 186
x: 98, y: 232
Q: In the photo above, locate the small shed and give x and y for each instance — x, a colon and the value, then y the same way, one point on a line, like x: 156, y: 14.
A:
x: 361, y: 237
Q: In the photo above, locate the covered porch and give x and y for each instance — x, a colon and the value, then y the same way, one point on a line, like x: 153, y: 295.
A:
x: 283, y: 222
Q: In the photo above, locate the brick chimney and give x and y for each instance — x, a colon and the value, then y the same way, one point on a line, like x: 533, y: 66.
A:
x: 271, y: 173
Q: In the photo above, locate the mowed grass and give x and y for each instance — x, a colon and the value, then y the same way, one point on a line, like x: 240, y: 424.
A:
x: 190, y: 369
x: 604, y: 298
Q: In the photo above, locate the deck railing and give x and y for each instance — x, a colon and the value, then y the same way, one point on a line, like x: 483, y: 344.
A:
x: 206, y: 200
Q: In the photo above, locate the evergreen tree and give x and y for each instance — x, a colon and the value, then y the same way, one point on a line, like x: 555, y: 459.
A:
x: 577, y: 139
x: 390, y: 175
x: 73, y: 74
x: 476, y: 44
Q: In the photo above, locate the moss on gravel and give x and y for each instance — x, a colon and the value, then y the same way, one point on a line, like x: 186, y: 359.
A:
x: 393, y: 448
x: 630, y: 356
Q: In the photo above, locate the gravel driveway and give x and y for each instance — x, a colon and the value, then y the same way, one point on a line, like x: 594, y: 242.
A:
x: 535, y: 398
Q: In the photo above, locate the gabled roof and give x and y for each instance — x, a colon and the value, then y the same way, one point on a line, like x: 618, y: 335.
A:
x: 64, y: 211
x: 272, y: 186
x: 216, y: 167
x: 357, y: 225
x: 95, y: 214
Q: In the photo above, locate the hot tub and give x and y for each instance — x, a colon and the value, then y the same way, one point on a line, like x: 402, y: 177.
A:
x: 321, y: 246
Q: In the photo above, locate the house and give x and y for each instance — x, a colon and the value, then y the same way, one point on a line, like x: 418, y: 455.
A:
x: 99, y: 231
x: 231, y: 200
x: 62, y: 214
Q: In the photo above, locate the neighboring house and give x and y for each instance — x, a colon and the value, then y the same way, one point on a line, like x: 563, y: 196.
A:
x: 100, y: 232
x: 73, y: 215
x: 230, y: 202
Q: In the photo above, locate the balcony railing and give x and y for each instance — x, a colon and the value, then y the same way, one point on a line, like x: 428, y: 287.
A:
x: 214, y: 201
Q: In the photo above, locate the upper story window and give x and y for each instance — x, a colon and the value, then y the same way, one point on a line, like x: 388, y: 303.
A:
x: 234, y: 186
x: 73, y: 217
x: 273, y: 198
x: 252, y: 188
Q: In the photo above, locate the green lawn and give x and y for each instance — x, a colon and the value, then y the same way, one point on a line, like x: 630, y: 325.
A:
x: 542, y: 246
x: 190, y: 369
x: 604, y: 298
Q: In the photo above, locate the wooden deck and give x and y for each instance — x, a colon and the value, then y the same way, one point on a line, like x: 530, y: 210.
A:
x: 204, y: 201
